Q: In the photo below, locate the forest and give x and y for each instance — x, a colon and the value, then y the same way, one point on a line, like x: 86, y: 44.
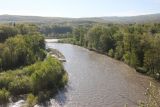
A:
x: 55, y: 31
x: 25, y: 67
x: 138, y: 45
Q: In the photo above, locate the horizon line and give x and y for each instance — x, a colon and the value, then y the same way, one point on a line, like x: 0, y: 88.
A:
x: 78, y: 17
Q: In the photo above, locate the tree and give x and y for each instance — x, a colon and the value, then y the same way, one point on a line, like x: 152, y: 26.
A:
x: 106, y: 40
x: 6, y: 32
x: 152, y: 56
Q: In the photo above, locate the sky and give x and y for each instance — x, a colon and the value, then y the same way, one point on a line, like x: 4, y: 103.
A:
x: 79, y: 8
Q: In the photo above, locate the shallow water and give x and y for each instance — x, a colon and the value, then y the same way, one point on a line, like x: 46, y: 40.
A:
x: 96, y: 80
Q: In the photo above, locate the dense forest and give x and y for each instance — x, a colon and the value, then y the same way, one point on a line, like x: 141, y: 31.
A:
x: 138, y: 45
x: 25, y: 67
x: 55, y: 31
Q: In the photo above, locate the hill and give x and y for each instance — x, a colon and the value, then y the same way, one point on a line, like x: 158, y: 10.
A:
x: 37, y: 19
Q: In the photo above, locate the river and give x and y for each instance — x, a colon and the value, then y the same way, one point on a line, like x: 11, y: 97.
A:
x: 96, y: 80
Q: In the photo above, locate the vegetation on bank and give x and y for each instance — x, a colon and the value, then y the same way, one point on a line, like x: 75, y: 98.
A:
x: 42, y: 79
x: 25, y: 68
x: 21, y: 50
x: 138, y: 45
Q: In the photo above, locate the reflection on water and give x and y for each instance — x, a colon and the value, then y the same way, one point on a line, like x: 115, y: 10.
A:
x: 96, y: 80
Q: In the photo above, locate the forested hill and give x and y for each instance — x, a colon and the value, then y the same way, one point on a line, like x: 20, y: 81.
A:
x: 153, y: 18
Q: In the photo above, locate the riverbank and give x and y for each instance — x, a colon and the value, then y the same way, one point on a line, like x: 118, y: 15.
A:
x: 110, y: 54
x: 38, y: 82
x: 55, y: 53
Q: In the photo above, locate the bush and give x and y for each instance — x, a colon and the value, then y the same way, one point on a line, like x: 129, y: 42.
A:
x: 48, y: 75
x: 42, y: 79
x: 44, y: 95
x: 31, y: 100
x: 4, y: 96
x: 64, y: 80
x: 111, y: 53
x: 21, y: 51
x: 6, y: 32
x: 5, y: 79
x: 20, y: 86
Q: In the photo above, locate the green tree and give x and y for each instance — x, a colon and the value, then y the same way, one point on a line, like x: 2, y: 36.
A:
x: 6, y: 32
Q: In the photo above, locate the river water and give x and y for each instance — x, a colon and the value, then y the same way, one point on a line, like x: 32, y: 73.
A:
x: 96, y: 80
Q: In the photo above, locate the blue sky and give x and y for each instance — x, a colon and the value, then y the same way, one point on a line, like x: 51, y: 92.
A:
x: 79, y: 8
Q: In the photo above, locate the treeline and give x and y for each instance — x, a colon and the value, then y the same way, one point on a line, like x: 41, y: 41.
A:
x: 11, y: 30
x: 136, y: 44
x: 25, y: 67
x: 55, y: 31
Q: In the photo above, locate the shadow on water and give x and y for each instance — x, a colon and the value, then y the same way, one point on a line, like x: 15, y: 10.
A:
x: 59, y: 99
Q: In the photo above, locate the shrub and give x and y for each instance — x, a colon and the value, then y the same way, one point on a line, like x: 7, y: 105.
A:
x: 5, y: 79
x: 48, y: 75
x: 44, y: 95
x: 42, y: 79
x: 31, y: 100
x: 21, y: 51
x: 64, y: 80
x: 20, y: 86
x: 111, y: 53
x: 4, y: 96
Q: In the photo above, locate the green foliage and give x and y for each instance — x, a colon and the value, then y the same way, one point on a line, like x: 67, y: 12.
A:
x: 22, y: 50
x: 94, y: 37
x: 126, y: 57
x: 31, y: 100
x: 20, y: 86
x: 41, y: 79
x: 5, y: 79
x: 27, y: 69
x: 4, y: 96
x: 6, y: 32
x: 52, y: 72
x: 25, y: 29
x: 64, y: 79
x: 57, y: 31
x: 67, y: 40
x: 44, y: 95
x: 136, y: 44
x: 111, y: 53
x: 152, y: 57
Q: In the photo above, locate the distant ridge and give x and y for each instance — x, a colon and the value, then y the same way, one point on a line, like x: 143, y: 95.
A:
x: 155, y: 18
